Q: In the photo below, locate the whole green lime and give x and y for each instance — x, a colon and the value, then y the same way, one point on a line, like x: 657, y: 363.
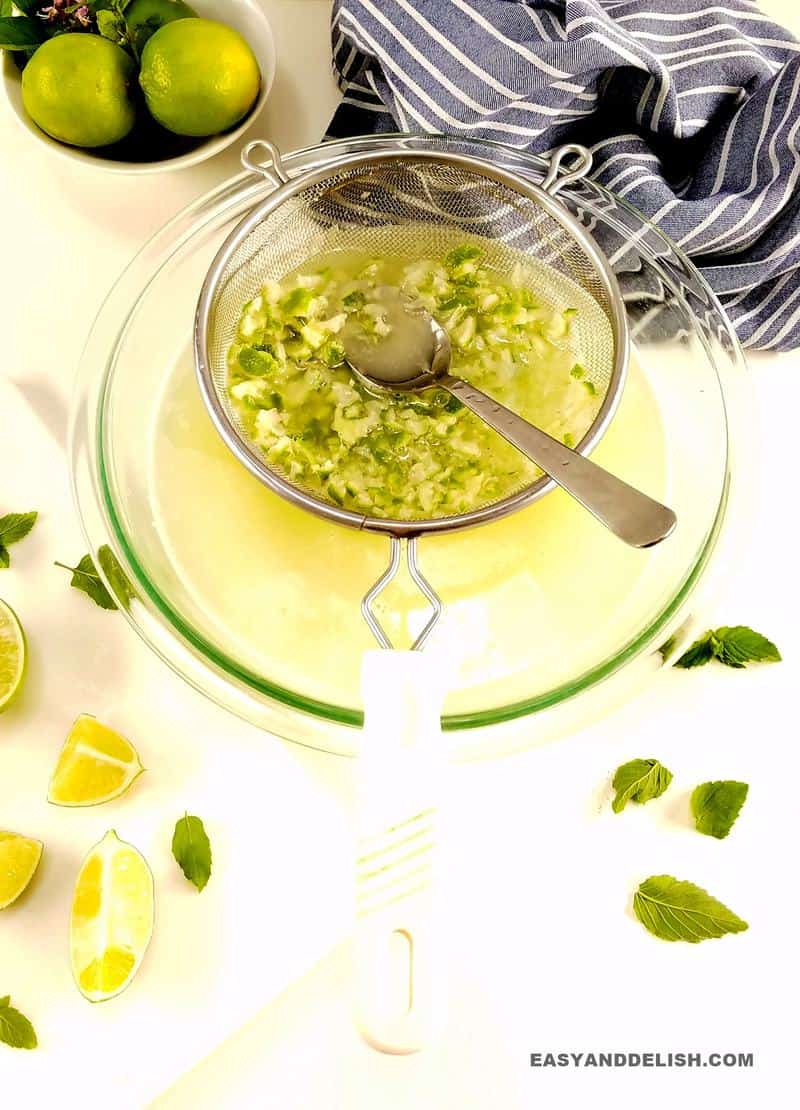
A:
x: 80, y: 89
x: 199, y: 77
x: 144, y: 17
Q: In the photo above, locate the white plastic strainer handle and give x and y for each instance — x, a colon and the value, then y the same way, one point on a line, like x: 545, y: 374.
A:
x: 399, y: 994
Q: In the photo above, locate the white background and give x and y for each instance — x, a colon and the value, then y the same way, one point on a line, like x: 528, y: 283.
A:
x: 545, y: 954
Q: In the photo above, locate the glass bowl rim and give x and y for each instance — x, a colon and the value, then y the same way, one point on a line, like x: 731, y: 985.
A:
x: 233, y: 190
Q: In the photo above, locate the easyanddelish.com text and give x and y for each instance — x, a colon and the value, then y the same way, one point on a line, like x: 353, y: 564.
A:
x: 641, y: 1060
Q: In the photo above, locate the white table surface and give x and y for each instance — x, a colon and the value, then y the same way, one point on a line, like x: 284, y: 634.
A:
x: 243, y: 1001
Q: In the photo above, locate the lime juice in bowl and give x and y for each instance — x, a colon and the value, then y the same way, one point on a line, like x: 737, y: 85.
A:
x: 281, y: 589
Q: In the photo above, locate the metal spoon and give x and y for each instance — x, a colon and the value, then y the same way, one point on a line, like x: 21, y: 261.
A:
x: 416, y: 355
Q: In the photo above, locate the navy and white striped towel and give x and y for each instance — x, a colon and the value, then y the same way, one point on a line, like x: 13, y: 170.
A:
x: 692, y: 110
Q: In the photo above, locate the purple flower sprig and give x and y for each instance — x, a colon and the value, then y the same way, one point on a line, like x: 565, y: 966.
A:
x: 63, y: 15
x: 40, y: 20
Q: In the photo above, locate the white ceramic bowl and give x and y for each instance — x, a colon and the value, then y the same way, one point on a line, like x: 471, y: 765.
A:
x: 247, y: 16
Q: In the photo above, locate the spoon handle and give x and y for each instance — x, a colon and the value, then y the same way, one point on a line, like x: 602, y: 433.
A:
x: 633, y: 516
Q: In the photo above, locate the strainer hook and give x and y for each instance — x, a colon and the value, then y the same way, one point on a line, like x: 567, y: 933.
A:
x: 252, y: 159
x: 419, y: 580
x: 580, y: 167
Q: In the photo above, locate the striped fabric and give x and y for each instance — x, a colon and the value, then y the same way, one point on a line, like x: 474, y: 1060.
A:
x: 690, y: 107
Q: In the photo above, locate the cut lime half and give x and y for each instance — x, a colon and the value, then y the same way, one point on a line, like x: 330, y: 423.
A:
x: 12, y: 656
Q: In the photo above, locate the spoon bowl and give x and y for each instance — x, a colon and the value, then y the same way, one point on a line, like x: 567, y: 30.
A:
x: 411, y: 357
x: 416, y: 354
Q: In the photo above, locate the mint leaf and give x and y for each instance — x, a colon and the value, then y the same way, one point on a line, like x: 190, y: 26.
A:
x: 698, y: 654
x: 740, y: 645
x: 15, y: 1029
x: 18, y: 33
x: 86, y: 579
x: 640, y: 780
x: 716, y: 805
x: 734, y: 646
x: 111, y: 25
x: 673, y: 909
x: 109, y: 564
x: 192, y: 850
x: 13, y: 528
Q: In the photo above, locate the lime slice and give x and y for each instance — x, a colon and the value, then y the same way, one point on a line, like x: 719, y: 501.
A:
x: 96, y: 764
x: 112, y: 918
x: 19, y: 858
x: 12, y: 656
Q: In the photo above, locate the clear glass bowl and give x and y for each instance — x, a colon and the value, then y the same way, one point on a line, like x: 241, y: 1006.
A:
x: 549, y: 620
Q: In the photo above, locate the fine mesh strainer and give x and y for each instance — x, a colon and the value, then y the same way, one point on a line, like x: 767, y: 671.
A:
x: 382, y: 203
x: 387, y: 203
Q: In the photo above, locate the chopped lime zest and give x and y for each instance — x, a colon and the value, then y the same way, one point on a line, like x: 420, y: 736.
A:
x: 298, y: 302
x: 404, y: 456
x: 256, y: 362
x: 467, y: 252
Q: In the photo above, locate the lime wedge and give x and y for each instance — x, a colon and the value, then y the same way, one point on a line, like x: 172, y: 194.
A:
x: 12, y: 656
x: 96, y: 764
x: 112, y: 918
x: 19, y: 858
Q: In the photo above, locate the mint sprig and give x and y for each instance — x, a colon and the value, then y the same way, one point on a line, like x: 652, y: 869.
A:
x: 673, y: 909
x: 716, y: 805
x: 639, y: 780
x: 735, y: 646
x: 85, y: 577
x: 111, y: 25
x: 15, y: 1029
x: 13, y: 528
x: 192, y: 850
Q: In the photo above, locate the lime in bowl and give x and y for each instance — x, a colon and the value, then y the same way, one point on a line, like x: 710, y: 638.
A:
x: 149, y: 148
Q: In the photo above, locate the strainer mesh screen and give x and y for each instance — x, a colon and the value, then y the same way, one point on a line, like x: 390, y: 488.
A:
x: 389, y: 208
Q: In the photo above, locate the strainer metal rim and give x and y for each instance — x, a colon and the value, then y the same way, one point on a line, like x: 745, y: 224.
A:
x: 249, y: 456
